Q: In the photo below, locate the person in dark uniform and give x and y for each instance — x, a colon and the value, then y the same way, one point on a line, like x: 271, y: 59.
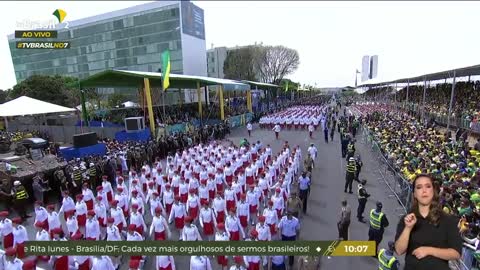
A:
x: 378, y: 223
x: 350, y: 174
x: 344, y: 221
x: 427, y: 236
x: 20, y: 197
x: 362, y: 201
x: 350, y: 149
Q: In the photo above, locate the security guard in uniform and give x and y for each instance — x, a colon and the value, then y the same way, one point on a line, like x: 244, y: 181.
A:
x: 362, y: 201
x: 20, y: 197
x: 386, y: 258
x: 351, y: 149
x: 350, y: 174
x: 294, y: 203
x: 77, y: 180
x: 378, y: 223
x: 309, y: 263
x: 92, y: 175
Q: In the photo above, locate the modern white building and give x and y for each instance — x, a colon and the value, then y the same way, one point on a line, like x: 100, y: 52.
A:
x: 130, y: 39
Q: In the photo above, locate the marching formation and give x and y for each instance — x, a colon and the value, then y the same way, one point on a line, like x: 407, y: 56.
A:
x: 213, y: 192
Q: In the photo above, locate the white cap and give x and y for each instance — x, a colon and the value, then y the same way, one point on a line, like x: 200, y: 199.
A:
x: 17, y: 183
x: 352, y: 159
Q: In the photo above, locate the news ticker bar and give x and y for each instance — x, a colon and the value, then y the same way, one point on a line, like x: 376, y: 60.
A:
x: 35, y: 34
x: 206, y: 248
x: 43, y: 45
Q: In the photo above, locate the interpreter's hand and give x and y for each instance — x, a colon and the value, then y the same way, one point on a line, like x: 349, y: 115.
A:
x: 410, y: 220
x: 421, y: 252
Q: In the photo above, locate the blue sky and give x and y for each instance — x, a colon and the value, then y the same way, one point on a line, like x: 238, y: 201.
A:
x: 411, y: 38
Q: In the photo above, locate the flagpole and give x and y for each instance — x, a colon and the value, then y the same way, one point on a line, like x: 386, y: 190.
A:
x: 163, y: 92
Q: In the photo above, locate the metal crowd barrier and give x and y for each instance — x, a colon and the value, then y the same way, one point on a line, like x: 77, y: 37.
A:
x: 400, y: 188
x: 402, y: 191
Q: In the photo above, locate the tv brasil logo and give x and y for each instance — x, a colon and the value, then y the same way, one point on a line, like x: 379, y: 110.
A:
x: 60, y: 14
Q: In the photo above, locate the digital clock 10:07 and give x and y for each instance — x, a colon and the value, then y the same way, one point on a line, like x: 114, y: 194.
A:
x: 355, y: 248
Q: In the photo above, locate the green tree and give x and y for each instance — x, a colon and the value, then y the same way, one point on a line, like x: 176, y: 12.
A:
x: 116, y: 99
x: 239, y: 64
x: 54, y: 89
x: 275, y: 62
x: 4, y: 95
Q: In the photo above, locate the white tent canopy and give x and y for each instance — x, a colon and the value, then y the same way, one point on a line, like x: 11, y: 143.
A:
x: 130, y: 104
x: 29, y: 106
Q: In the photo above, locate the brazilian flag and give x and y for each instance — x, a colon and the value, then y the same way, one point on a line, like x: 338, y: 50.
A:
x: 166, y: 69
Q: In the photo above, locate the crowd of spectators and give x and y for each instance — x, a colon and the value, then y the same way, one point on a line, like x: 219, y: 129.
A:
x: 413, y: 148
x: 437, y: 100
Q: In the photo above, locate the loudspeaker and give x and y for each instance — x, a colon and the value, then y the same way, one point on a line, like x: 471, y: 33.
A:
x: 84, y: 140
x: 134, y: 124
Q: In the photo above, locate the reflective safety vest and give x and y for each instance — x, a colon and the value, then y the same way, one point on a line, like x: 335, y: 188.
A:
x: 92, y: 172
x: 77, y: 176
x: 385, y: 261
x: 21, y: 194
x: 376, y: 219
x: 351, y: 167
x: 350, y: 148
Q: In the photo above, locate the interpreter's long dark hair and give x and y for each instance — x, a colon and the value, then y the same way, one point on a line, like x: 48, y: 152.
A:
x: 435, y: 208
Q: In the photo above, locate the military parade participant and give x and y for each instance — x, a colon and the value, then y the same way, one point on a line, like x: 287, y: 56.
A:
x: 233, y: 226
x: 136, y: 218
x: 308, y: 163
x: 81, y: 211
x: 178, y: 213
x: 41, y: 214
x: 92, y: 227
x: 190, y: 231
x: 200, y: 263
x: 11, y: 260
x: 72, y: 224
x: 207, y: 221
x: 238, y: 260
x: 378, y: 223
x: 53, y: 219
x: 165, y: 263
x: 67, y: 204
x: 80, y: 262
x: 59, y: 262
x: 294, y: 204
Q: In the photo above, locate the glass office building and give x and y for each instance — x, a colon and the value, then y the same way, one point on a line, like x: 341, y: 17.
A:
x: 129, y: 39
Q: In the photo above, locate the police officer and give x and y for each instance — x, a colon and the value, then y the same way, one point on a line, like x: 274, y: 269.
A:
x: 344, y: 142
x: 350, y: 149
x: 294, y: 204
x: 362, y: 201
x: 378, y: 223
x: 350, y: 174
x: 386, y: 258
x: 304, y: 188
x: 77, y: 180
x: 20, y: 197
x: 359, y: 164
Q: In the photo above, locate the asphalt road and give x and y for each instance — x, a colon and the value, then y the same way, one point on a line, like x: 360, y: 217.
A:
x: 324, y: 202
